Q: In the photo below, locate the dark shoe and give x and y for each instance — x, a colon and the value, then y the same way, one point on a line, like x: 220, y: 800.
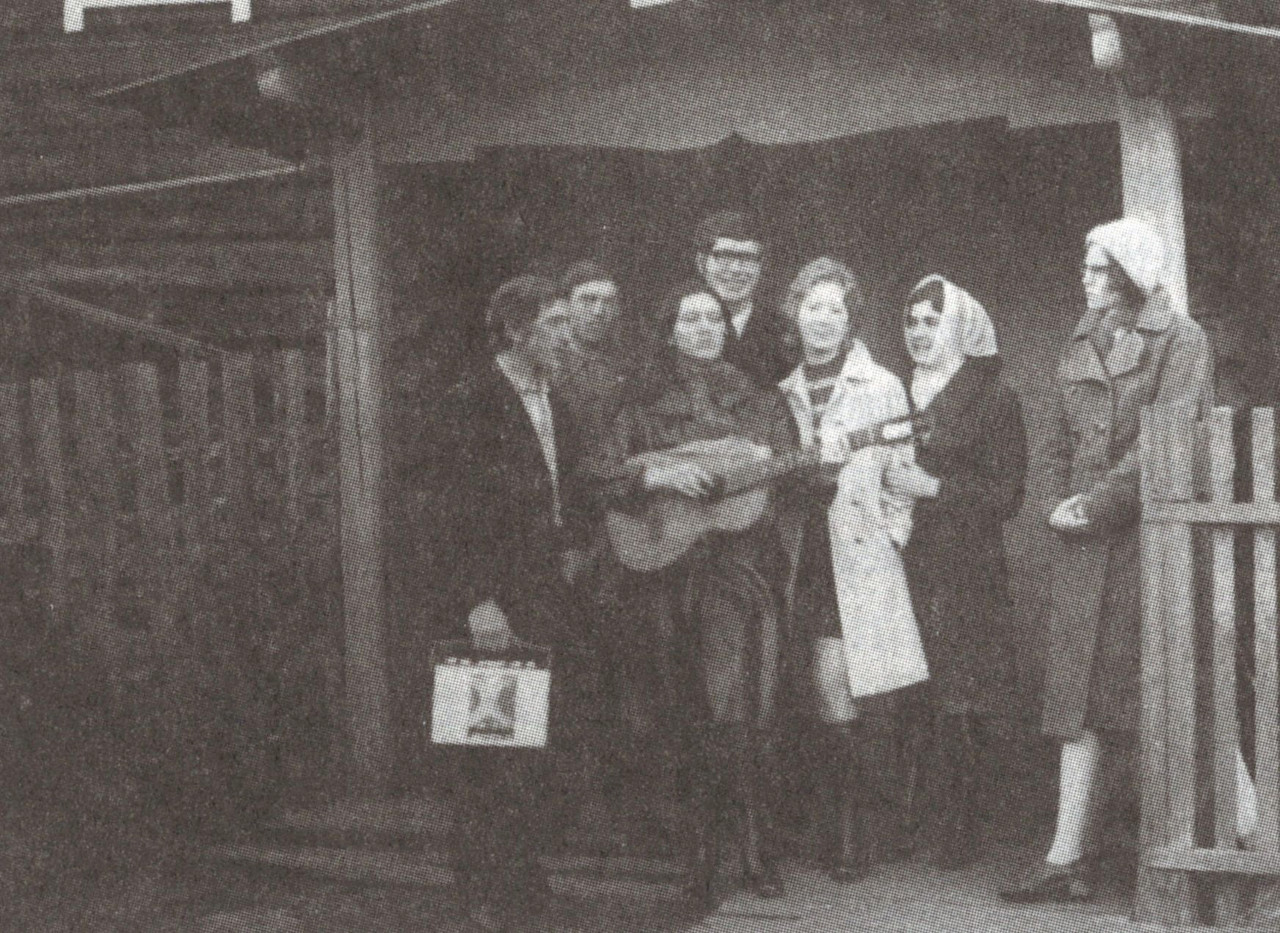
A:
x: 852, y: 858
x: 488, y: 918
x: 767, y: 884
x: 1051, y: 884
x: 759, y: 870
x: 698, y: 889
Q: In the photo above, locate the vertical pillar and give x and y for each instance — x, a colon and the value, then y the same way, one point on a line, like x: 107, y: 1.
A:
x: 1150, y: 150
x: 1151, y: 163
x: 357, y: 333
x: 1151, y: 167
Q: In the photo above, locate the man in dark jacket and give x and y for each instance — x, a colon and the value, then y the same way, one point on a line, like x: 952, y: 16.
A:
x: 730, y: 258
x: 507, y: 515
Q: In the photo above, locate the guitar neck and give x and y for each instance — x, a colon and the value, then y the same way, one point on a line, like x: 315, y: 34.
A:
x: 751, y: 474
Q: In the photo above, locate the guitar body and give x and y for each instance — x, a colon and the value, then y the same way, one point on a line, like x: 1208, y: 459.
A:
x: 668, y: 526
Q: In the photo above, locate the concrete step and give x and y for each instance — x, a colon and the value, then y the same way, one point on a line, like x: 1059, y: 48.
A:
x: 576, y: 876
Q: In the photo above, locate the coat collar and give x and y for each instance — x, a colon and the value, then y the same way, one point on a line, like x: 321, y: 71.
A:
x: 1081, y: 361
x: 973, y: 376
x: 858, y: 367
x: 1155, y: 317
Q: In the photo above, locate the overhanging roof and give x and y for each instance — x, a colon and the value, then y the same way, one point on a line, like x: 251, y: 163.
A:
x: 450, y: 78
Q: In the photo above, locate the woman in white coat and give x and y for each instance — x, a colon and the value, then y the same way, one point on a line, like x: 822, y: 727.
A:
x: 851, y: 613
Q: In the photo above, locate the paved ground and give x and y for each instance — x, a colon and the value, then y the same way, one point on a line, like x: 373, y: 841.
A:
x: 218, y: 897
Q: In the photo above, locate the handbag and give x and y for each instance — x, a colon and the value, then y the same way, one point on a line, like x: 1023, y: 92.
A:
x: 485, y: 699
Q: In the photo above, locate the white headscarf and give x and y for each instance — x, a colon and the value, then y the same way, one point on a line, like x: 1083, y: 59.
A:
x: 1136, y: 247
x: 965, y: 330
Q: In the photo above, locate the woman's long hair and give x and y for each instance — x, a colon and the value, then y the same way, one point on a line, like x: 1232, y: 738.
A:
x: 658, y: 371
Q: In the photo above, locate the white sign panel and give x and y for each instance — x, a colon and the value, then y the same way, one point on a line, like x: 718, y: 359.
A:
x: 73, y: 10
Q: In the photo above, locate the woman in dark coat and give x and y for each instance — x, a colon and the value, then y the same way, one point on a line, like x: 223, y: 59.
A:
x: 968, y: 480
x: 705, y: 656
x: 1131, y: 349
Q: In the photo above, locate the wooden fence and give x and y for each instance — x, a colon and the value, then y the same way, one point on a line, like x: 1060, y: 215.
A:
x: 186, y: 516
x: 1197, y: 712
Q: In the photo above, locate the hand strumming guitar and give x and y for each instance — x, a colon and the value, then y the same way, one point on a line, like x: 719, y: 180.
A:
x: 681, y: 477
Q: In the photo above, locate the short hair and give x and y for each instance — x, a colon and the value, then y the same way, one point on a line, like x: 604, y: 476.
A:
x: 515, y: 306
x: 582, y: 272
x: 813, y: 274
x: 729, y: 225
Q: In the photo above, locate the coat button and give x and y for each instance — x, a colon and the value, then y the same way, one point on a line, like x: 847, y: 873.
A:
x: 1101, y: 427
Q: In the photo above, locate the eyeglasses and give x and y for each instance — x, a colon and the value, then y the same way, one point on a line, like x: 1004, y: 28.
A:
x: 735, y: 255
x: 1091, y: 269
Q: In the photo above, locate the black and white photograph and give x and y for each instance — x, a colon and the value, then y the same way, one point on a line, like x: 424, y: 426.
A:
x: 639, y: 466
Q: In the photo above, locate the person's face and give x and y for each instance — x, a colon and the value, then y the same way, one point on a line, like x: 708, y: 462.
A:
x: 1102, y: 280
x: 732, y: 268
x: 548, y: 337
x: 699, y: 329
x: 593, y: 311
x: 923, y: 332
x: 823, y: 321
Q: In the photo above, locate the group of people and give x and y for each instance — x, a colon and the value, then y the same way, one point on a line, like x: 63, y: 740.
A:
x: 855, y: 589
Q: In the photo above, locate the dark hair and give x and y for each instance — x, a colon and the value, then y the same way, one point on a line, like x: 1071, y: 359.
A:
x: 655, y: 375
x: 930, y: 290
x: 664, y: 321
x: 515, y: 306
x: 729, y: 225
x: 582, y: 272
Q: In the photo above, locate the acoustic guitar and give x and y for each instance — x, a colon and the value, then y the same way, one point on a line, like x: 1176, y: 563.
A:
x: 666, y: 525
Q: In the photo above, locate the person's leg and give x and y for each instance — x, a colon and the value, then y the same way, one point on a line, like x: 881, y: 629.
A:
x: 1246, y: 803
x: 1059, y: 877
x: 754, y: 771
x: 704, y: 759
x: 848, y: 849
x: 1078, y: 779
x: 959, y: 761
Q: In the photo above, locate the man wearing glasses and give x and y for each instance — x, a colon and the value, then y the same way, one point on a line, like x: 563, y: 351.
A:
x: 730, y: 258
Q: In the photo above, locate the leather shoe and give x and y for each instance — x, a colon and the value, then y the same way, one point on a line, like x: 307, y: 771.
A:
x: 1046, y: 884
x: 767, y: 883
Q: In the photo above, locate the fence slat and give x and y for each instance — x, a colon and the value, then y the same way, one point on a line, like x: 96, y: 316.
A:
x: 1168, y: 667
x: 1266, y: 697
x: 47, y: 422
x: 238, y: 419
x: 12, y: 461
x: 157, y: 573
x: 1222, y: 463
x: 291, y: 385
x: 98, y: 485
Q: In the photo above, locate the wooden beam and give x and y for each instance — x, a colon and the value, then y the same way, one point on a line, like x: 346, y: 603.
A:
x: 105, y: 318
x: 146, y: 187
x: 358, y: 332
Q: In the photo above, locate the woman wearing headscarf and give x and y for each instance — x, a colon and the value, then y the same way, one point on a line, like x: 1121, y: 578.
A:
x: 967, y: 480
x: 705, y: 657
x: 852, y: 625
x: 1131, y: 349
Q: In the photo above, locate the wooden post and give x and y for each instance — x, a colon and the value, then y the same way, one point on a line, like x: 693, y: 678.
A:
x: 1151, y: 165
x: 1150, y: 151
x: 1168, y: 668
x: 356, y: 328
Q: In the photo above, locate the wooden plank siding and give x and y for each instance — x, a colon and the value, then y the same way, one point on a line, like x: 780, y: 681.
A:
x: 157, y: 560
x: 1178, y: 861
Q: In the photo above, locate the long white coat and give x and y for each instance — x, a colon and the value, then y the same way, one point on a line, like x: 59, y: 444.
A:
x: 868, y: 525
